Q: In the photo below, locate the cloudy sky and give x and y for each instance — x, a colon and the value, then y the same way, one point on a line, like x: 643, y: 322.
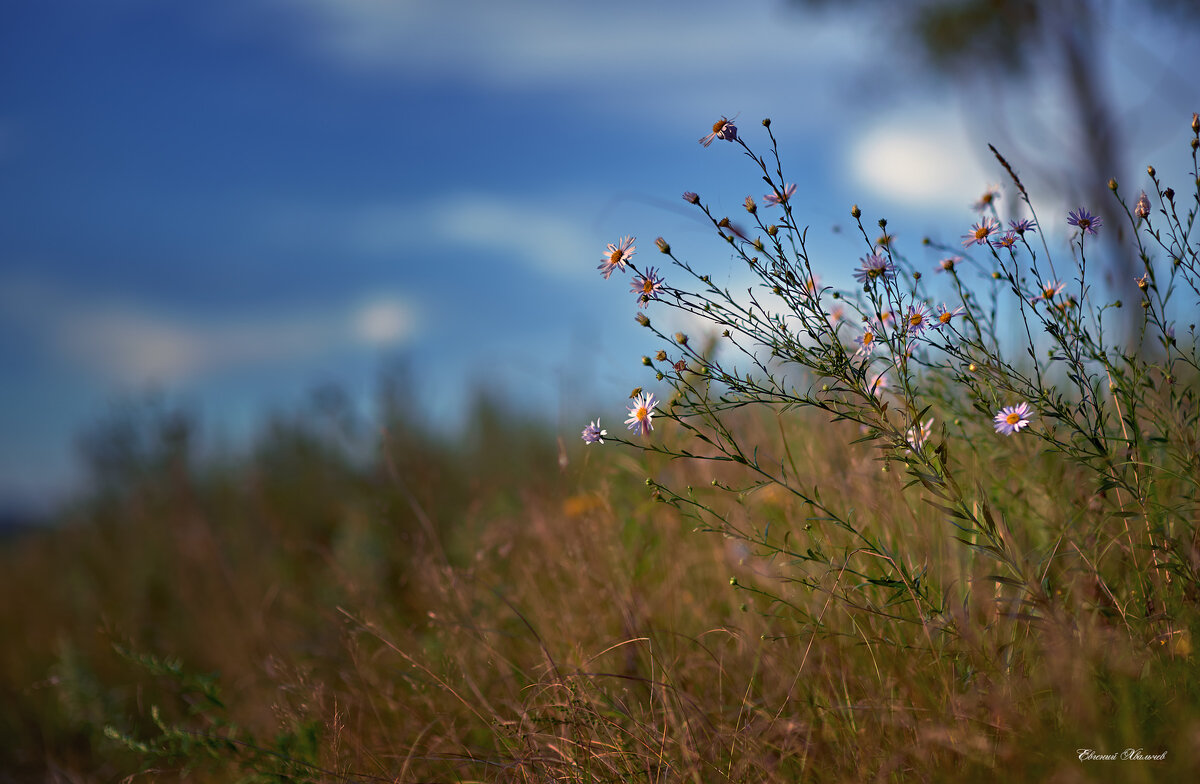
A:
x: 235, y: 201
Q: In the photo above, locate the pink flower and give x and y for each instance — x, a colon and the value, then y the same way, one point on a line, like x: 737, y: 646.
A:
x: 641, y: 412
x: 775, y: 197
x: 980, y: 232
x: 616, y: 256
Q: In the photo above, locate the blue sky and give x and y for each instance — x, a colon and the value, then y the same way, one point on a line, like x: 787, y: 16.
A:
x: 234, y: 202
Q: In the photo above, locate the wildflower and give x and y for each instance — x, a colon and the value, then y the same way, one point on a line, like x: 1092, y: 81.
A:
x: 1143, y: 282
x: 918, y: 435
x: 885, y: 240
x: 980, y: 232
x: 722, y: 129
x: 948, y: 264
x: 1142, y: 208
x: 691, y: 197
x: 1010, y: 419
x: 875, y: 266
x: 810, y: 285
x: 1049, y: 290
x: 866, y: 342
x: 592, y: 434
x: 836, y: 315
x: 1023, y: 225
x: 945, y: 315
x: 1086, y: 221
x: 640, y: 413
x: 917, y: 319
x: 877, y: 384
x: 775, y: 197
x: 988, y: 199
x: 1005, y: 240
x: 647, y: 286
x: 750, y: 206
x: 616, y: 256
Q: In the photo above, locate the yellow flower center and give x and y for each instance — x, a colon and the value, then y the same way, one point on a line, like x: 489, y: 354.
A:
x: 616, y: 256
x: 944, y: 317
x: 1013, y: 418
x: 982, y: 232
x: 641, y: 412
x: 868, y: 338
x: 915, y: 320
x: 648, y: 286
x: 719, y: 125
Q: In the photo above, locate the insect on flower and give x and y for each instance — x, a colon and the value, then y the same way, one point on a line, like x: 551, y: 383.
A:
x: 616, y: 256
x: 641, y: 412
x: 722, y: 129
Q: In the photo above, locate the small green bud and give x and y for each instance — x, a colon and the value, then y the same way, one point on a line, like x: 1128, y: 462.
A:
x: 1118, y: 303
x: 647, y: 361
x: 916, y: 276
x: 733, y: 581
x: 658, y: 376
x: 824, y: 387
x: 995, y: 276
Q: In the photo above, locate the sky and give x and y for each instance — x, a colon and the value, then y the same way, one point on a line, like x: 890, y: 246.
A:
x: 231, y: 203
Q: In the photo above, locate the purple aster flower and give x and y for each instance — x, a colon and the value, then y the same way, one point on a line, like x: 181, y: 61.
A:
x: 947, y: 264
x: 988, y: 199
x: 917, y: 320
x: 1086, y: 221
x: 647, y: 286
x: 1011, y: 419
x: 1023, y: 225
x: 1050, y: 289
x: 616, y: 256
x: 640, y: 413
x: 866, y: 342
x: 945, y: 315
x: 722, y: 129
x: 1005, y: 240
x: 875, y: 266
x: 592, y: 434
x: 980, y: 232
x: 691, y: 198
x: 775, y: 197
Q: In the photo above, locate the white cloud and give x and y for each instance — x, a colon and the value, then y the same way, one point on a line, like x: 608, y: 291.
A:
x: 130, y: 343
x: 921, y: 156
x: 538, y: 234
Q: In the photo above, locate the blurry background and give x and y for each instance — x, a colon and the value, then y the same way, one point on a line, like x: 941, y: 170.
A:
x: 229, y: 204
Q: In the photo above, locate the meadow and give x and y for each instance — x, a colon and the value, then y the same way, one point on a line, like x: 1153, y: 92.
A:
x: 884, y: 546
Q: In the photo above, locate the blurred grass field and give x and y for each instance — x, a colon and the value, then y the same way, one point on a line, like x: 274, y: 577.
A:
x: 365, y: 601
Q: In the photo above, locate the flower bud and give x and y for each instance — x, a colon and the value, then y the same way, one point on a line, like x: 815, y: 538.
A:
x: 642, y: 319
x: 751, y: 207
x: 1195, y: 122
x: 883, y: 223
x: 995, y: 276
x: 772, y: 230
x: 662, y: 245
x: 661, y: 356
x: 758, y: 244
x: 855, y: 212
x: 767, y: 122
x: 916, y: 276
x: 1150, y: 170
x: 1170, y: 194
x: 681, y: 338
x: 1112, y: 184
x: 647, y: 361
x: 723, y: 223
